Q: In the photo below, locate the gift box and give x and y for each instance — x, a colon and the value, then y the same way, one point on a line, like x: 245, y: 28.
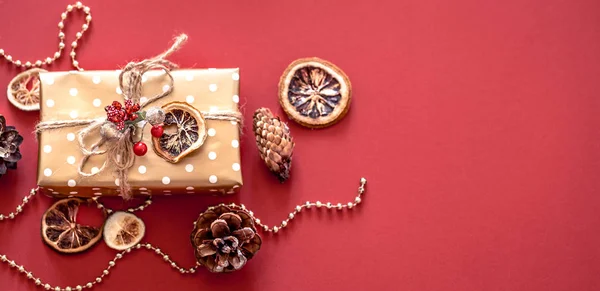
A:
x: 67, y: 97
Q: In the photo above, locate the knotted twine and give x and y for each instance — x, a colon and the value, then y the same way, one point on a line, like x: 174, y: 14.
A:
x: 119, y: 149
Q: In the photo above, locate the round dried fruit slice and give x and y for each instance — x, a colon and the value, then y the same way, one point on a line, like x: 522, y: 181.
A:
x: 24, y: 90
x: 61, y: 231
x: 184, y: 132
x: 123, y: 230
x: 314, y: 92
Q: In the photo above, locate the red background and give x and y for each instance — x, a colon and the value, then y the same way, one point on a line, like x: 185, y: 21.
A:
x: 476, y: 123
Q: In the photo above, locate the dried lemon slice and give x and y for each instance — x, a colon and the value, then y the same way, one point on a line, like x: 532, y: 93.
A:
x: 123, y: 230
x: 24, y: 90
x: 314, y: 92
x: 61, y: 231
x: 184, y: 132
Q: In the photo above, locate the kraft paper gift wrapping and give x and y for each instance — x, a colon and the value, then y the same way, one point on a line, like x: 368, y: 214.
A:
x: 213, y: 168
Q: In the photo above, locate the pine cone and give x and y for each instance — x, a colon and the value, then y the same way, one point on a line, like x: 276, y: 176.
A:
x: 274, y: 143
x: 224, y: 239
x: 10, y: 140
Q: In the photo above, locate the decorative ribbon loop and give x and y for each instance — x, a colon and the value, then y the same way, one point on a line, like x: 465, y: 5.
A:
x: 119, y: 149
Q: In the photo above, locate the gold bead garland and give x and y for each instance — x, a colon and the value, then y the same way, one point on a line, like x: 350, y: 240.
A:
x: 61, y: 44
x: 111, y: 264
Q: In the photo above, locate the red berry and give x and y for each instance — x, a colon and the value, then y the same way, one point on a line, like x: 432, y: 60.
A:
x: 133, y: 117
x: 157, y: 130
x: 140, y: 149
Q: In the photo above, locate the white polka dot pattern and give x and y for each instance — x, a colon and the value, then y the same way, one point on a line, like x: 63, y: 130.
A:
x: 142, y: 169
x: 166, y: 180
x: 72, y: 183
x: 189, y: 168
x: 235, y: 143
x: 96, y: 80
x: 73, y: 92
x: 49, y: 81
x: 213, y: 179
x: 50, y: 103
x: 212, y: 132
x: 47, y: 149
x: 212, y: 156
x: 235, y: 76
x: 71, y: 160
x: 97, y: 102
x: 119, y: 91
x: 71, y: 136
x: 189, y: 99
x: 212, y: 87
x: 47, y: 172
x: 235, y: 167
x: 74, y: 114
x: 236, y: 99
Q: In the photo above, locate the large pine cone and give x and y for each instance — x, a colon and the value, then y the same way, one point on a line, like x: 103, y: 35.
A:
x: 10, y: 140
x: 274, y: 143
x: 224, y: 239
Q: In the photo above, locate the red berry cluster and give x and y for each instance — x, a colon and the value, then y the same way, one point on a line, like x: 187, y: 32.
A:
x: 118, y: 114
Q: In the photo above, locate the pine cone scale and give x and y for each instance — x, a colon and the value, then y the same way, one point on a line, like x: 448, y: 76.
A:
x: 206, y: 250
x: 219, y: 228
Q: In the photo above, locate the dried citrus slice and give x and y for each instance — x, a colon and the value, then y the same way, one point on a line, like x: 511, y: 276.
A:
x: 24, y: 90
x: 314, y: 92
x: 184, y: 132
x: 61, y: 231
x: 123, y: 230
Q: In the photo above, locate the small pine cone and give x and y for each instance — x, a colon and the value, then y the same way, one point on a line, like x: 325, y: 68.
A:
x: 274, y: 142
x: 10, y: 140
x: 225, y: 239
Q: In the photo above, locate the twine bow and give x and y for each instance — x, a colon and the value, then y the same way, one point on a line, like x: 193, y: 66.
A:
x: 119, y: 150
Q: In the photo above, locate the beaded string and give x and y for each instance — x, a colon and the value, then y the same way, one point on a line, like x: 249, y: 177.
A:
x: 146, y: 246
x: 144, y: 205
x: 61, y: 44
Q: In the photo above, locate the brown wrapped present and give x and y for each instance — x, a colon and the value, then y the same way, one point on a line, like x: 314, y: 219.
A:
x: 82, y: 153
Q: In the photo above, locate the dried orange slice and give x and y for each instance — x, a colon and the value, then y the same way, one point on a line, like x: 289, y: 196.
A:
x: 61, y: 231
x: 24, y: 90
x: 314, y: 92
x: 123, y: 230
x: 184, y: 132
